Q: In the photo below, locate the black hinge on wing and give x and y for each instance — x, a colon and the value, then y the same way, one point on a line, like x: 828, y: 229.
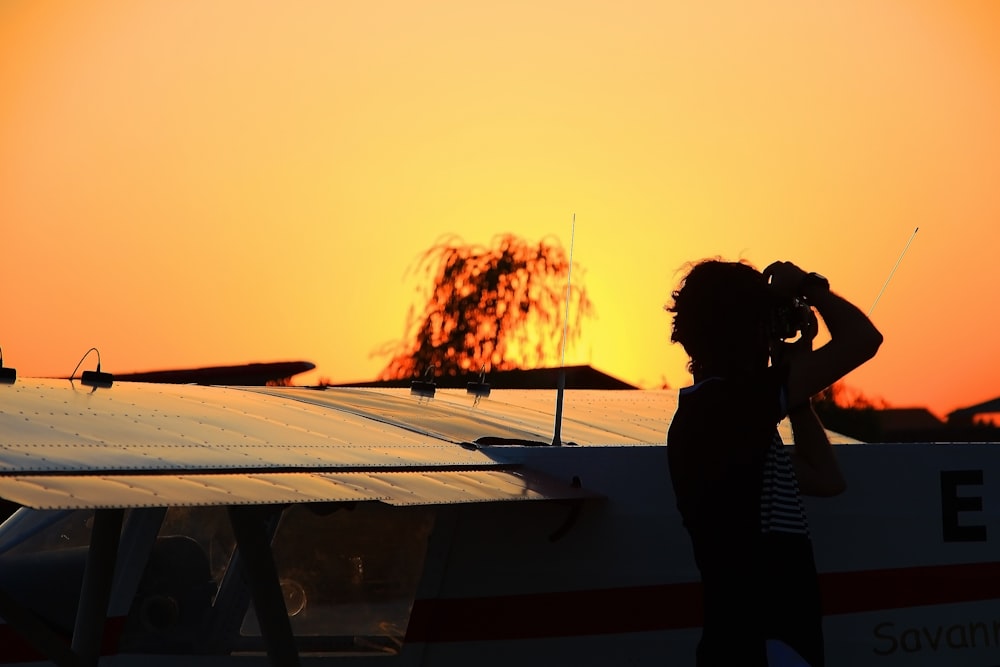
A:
x: 494, y: 441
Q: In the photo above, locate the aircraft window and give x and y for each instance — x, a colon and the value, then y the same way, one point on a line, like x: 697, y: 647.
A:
x: 173, y: 601
x: 349, y: 573
x: 209, y: 527
x: 43, y: 567
x: 50, y: 530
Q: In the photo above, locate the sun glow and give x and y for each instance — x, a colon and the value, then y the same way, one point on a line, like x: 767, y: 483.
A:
x: 223, y: 182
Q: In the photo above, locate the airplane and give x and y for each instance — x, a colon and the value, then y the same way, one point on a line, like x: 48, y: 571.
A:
x: 364, y: 526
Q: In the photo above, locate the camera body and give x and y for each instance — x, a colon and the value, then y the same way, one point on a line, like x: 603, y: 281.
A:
x: 790, y: 317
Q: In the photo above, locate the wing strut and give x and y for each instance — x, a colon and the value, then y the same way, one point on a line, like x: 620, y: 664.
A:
x: 92, y: 610
x: 261, y: 575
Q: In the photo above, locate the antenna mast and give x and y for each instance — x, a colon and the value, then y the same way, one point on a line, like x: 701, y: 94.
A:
x: 907, y: 247
x: 561, y: 388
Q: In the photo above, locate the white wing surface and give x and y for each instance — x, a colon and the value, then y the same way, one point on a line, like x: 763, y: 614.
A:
x: 66, y: 446
x: 142, y: 445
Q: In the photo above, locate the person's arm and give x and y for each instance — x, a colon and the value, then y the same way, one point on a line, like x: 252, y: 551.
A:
x: 853, y: 338
x: 815, y: 464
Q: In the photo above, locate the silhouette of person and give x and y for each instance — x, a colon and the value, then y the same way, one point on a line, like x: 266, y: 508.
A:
x: 737, y: 487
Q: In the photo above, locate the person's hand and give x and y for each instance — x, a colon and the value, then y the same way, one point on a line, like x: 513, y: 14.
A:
x: 785, y: 279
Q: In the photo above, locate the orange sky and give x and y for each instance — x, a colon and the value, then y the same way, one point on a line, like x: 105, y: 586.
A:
x: 193, y: 183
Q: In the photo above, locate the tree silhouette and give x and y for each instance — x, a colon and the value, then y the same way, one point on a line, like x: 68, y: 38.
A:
x: 849, y: 412
x: 497, y: 308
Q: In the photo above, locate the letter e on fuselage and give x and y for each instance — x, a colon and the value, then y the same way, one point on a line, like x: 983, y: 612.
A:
x: 952, y: 503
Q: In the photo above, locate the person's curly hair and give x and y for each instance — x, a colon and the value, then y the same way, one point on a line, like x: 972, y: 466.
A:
x: 721, y: 313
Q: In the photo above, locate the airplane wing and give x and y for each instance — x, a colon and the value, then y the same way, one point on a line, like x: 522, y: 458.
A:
x: 142, y: 445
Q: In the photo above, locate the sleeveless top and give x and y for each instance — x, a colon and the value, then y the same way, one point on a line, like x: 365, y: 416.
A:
x: 738, y: 496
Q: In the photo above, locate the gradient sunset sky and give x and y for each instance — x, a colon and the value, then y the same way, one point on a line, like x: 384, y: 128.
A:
x: 196, y: 183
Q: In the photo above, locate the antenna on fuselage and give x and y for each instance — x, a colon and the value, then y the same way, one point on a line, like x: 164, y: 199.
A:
x: 424, y: 388
x: 94, y: 378
x: 895, y: 266
x: 7, y: 375
x: 561, y: 386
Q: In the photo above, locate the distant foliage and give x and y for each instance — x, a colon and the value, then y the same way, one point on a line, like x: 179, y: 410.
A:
x: 500, y: 308
x: 839, y: 395
x: 849, y: 412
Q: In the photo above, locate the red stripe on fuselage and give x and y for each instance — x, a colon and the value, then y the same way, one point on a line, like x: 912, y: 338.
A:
x: 678, y: 606
x: 14, y: 648
x: 573, y: 613
x: 636, y: 608
x: 900, y: 588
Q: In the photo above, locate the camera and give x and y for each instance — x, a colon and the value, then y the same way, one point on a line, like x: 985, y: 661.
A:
x: 789, y: 318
